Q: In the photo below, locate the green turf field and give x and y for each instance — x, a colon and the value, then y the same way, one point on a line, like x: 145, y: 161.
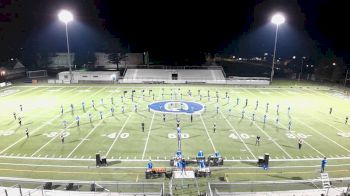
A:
x: 120, y: 138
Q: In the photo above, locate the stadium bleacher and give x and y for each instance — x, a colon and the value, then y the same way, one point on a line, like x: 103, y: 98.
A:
x: 183, y: 75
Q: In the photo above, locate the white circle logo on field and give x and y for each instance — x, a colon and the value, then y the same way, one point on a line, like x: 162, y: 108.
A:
x: 175, y: 106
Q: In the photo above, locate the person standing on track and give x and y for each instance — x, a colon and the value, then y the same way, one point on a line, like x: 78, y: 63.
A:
x: 323, y: 164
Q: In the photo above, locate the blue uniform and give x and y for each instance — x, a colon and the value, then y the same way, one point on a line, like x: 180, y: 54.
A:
x: 323, y: 164
x: 200, y: 153
x: 149, y: 165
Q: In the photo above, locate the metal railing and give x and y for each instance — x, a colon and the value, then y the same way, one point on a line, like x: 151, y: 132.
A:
x: 291, y: 186
x: 39, y: 187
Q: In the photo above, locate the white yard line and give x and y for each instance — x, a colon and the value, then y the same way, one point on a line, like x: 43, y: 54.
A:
x: 329, y: 96
x: 53, y: 138
x: 68, y: 125
x: 327, y: 124
x: 32, y: 132
x: 37, y: 114
x: 267, y: 135
x: 321, y: 134
x: 131, y: 167
x: 92, y: 130
x: 297, y: 136
x: 116, y: 138
x: 206, y: 130
x: 140, y: 160
x: 233, y: 129
x: 314, y: 130
x: 149, y: 132
x: 305, y: 142
x: 20, y: 92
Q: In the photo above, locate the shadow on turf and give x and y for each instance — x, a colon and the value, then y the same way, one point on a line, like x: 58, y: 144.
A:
x: 287, y: 178
x: 110, y: 163
x: 250, y: 163
x: 287, y: 146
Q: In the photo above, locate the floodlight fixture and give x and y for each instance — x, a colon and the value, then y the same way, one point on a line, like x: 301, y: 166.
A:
x: 278, y: 19
x: 65, y: 16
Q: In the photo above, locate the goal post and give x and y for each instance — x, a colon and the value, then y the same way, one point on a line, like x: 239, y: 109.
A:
x: 37, y: 74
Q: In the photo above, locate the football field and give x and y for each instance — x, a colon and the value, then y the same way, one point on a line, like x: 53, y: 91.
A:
x: 279, y: 115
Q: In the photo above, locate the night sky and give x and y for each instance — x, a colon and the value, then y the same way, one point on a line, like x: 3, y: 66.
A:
x: 174, y: 30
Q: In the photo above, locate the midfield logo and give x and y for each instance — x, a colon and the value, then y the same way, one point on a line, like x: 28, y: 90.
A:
x: 178, y: 107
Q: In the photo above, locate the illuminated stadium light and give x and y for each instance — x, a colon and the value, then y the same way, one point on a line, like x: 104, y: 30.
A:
x: 3, y: 72
x: 278, y: 19
x: 65, y: 16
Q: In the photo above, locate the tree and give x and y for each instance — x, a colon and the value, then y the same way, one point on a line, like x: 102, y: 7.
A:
x: 115, y: 50
x: 116, y: 58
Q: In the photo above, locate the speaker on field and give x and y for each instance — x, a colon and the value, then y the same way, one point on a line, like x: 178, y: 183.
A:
x: 266, y: 159
x: 48, y: 185
x: 98, y: 159
x: 104, y: 161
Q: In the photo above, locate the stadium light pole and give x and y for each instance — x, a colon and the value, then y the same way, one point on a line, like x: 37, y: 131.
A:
x: 276, y: 19
x: 346, y: 79
x: 301, y: 67
x: 66, y: 16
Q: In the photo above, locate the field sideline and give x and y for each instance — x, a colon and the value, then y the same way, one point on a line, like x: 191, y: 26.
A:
x: 120, y: 138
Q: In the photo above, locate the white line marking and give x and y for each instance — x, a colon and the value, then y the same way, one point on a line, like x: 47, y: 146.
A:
x: 267, y: 135
x: 127, y: 167
x: 140, y: 160
x: 37, y: 129
x: 116, y: 138
x: 307, y: 143
x: 228, y: 122
x: 205, y: 127
x: 314, y: 130
x: 298, y: 137
x: 53, y: 138
x: 34, y: 131
x: 92, y: 130
x: 149, y: 132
